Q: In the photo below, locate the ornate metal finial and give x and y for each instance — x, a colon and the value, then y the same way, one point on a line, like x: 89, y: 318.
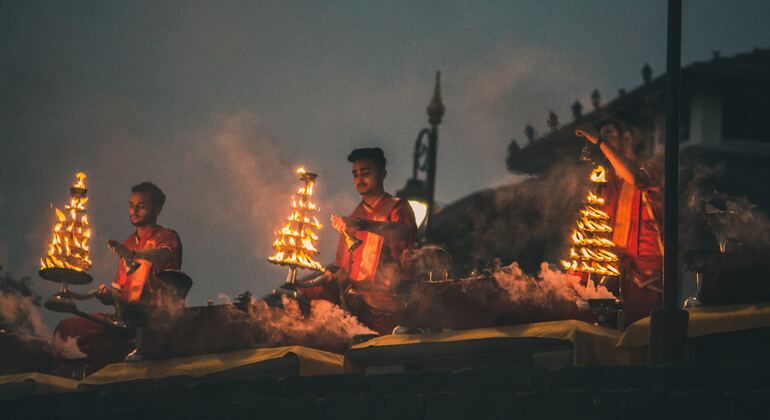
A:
x: 436, y: 107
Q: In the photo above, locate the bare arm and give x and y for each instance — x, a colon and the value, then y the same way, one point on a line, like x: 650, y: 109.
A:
x: 389, y: 230
x: 623, y: 167
x: 158, y: 257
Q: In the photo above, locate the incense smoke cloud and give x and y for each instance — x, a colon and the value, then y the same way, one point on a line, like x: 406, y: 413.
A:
x: 326, y: 327
x: 527, y: 222
x: 229, y: 193
x: 506, y: 296
x: 21, y: 316
x: 723, y: 216
x: 549, y: 289
x: 261, y: 180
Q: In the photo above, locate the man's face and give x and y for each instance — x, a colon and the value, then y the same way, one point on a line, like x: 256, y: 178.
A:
x: 141, y: 211
x: 623, y: 144
x: 611, y: 135
x: 367, y: 176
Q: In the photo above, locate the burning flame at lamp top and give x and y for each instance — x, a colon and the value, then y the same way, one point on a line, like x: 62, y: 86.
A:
x: 590, y: 252
x: 69, y: 246
x: 295, y: 244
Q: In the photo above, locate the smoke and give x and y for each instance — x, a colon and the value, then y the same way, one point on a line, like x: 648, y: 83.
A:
x: 506, y: 296
x: 249, y: 323
x: 713, y: 217
x: 551, y: 288
x: 230, y: 228
x: 67, y: 348
x: 325, y: 327
x: 19, y: 314
x: 527, y: 222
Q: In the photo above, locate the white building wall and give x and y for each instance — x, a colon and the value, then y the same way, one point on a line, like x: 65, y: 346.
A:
x: 705, y: 116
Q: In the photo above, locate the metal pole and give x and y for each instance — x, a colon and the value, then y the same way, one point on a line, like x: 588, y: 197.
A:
x: 668, y: 325
x: 435, y: 113
x: 431, y: 160
x: 671, y: 216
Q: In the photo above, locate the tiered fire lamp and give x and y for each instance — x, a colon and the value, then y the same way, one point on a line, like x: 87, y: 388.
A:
x: 591, y: 246
x: 590, y: 252
x: 295, y: 243
x: 68, y: 253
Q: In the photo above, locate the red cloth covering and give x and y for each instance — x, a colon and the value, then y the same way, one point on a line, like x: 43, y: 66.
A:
x: 101, y: 346
x: 636, y: 215
x: 375, y: 268
x: 104, y: 347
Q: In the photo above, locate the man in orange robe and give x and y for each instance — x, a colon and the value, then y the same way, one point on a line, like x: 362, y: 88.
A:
x: 633, y: 197
x: 372, y: 243
x: 151, y: 248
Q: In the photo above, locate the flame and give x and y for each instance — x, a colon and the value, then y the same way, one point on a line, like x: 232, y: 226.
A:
x: 69, y: 246
x: 80, y: 183
x: 295, y: 241
x: 592, y: 198
x: 599, y: 174
x: 590, y: 251
x: 594, y: 213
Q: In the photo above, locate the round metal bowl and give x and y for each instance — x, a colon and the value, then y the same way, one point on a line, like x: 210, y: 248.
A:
x: 58, y: 303
x: 60, y: 275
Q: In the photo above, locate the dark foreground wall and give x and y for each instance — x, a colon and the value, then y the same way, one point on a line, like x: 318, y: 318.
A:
x: 638, y: 392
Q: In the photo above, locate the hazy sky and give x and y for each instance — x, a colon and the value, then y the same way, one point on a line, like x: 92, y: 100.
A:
x: 217, y: 102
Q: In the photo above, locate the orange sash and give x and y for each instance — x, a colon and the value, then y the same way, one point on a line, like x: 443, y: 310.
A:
x: 133, y: 284
x: 366, y: 267
x: 622, y: 225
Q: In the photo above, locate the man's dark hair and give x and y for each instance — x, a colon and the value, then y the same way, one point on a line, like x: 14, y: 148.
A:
x: 374, y: 154
x: 613, y: 121
x: 620, y: 124
x: 156, y: 195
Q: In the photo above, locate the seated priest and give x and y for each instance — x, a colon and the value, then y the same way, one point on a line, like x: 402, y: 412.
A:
x: 146, y: 252
x: 370, y: 254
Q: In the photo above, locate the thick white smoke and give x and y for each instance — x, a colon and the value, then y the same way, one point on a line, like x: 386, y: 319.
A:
x: 22, y: 316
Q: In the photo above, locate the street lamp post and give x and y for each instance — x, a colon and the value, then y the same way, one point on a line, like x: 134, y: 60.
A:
x: 421, y: 192
x: 668, y: 325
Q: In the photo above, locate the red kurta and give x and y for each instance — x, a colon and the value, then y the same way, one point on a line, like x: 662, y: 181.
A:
x: 157, y: 238
x: 374, y: 268
x: 636, y: 218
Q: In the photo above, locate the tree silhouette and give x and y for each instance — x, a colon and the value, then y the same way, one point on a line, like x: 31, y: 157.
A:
x: 530, y: 132
x: 552, y: 121
x: 577, y: 110
x: 646, y: 73
x: 596, y: 99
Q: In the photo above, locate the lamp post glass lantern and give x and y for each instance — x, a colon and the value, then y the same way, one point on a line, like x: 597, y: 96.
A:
x: 416, y: 193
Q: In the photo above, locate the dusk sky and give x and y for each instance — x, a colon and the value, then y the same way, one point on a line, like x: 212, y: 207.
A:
x: 218, y: 102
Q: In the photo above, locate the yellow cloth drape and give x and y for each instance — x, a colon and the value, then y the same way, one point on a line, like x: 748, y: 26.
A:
x: 592, y: 344
x: 632, y: 346
x: 311, y: 362
x: 42, y: 383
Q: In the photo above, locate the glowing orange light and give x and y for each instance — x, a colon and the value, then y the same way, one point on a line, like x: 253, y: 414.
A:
x: 599, y: 174
x: 590, y: 252
x: 69, y: 246
x: 295, y: 243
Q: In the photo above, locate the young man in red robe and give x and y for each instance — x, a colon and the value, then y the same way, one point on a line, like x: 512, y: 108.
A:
x: 150, y: 249
x: 634, y: 204
x: 371, y: 247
